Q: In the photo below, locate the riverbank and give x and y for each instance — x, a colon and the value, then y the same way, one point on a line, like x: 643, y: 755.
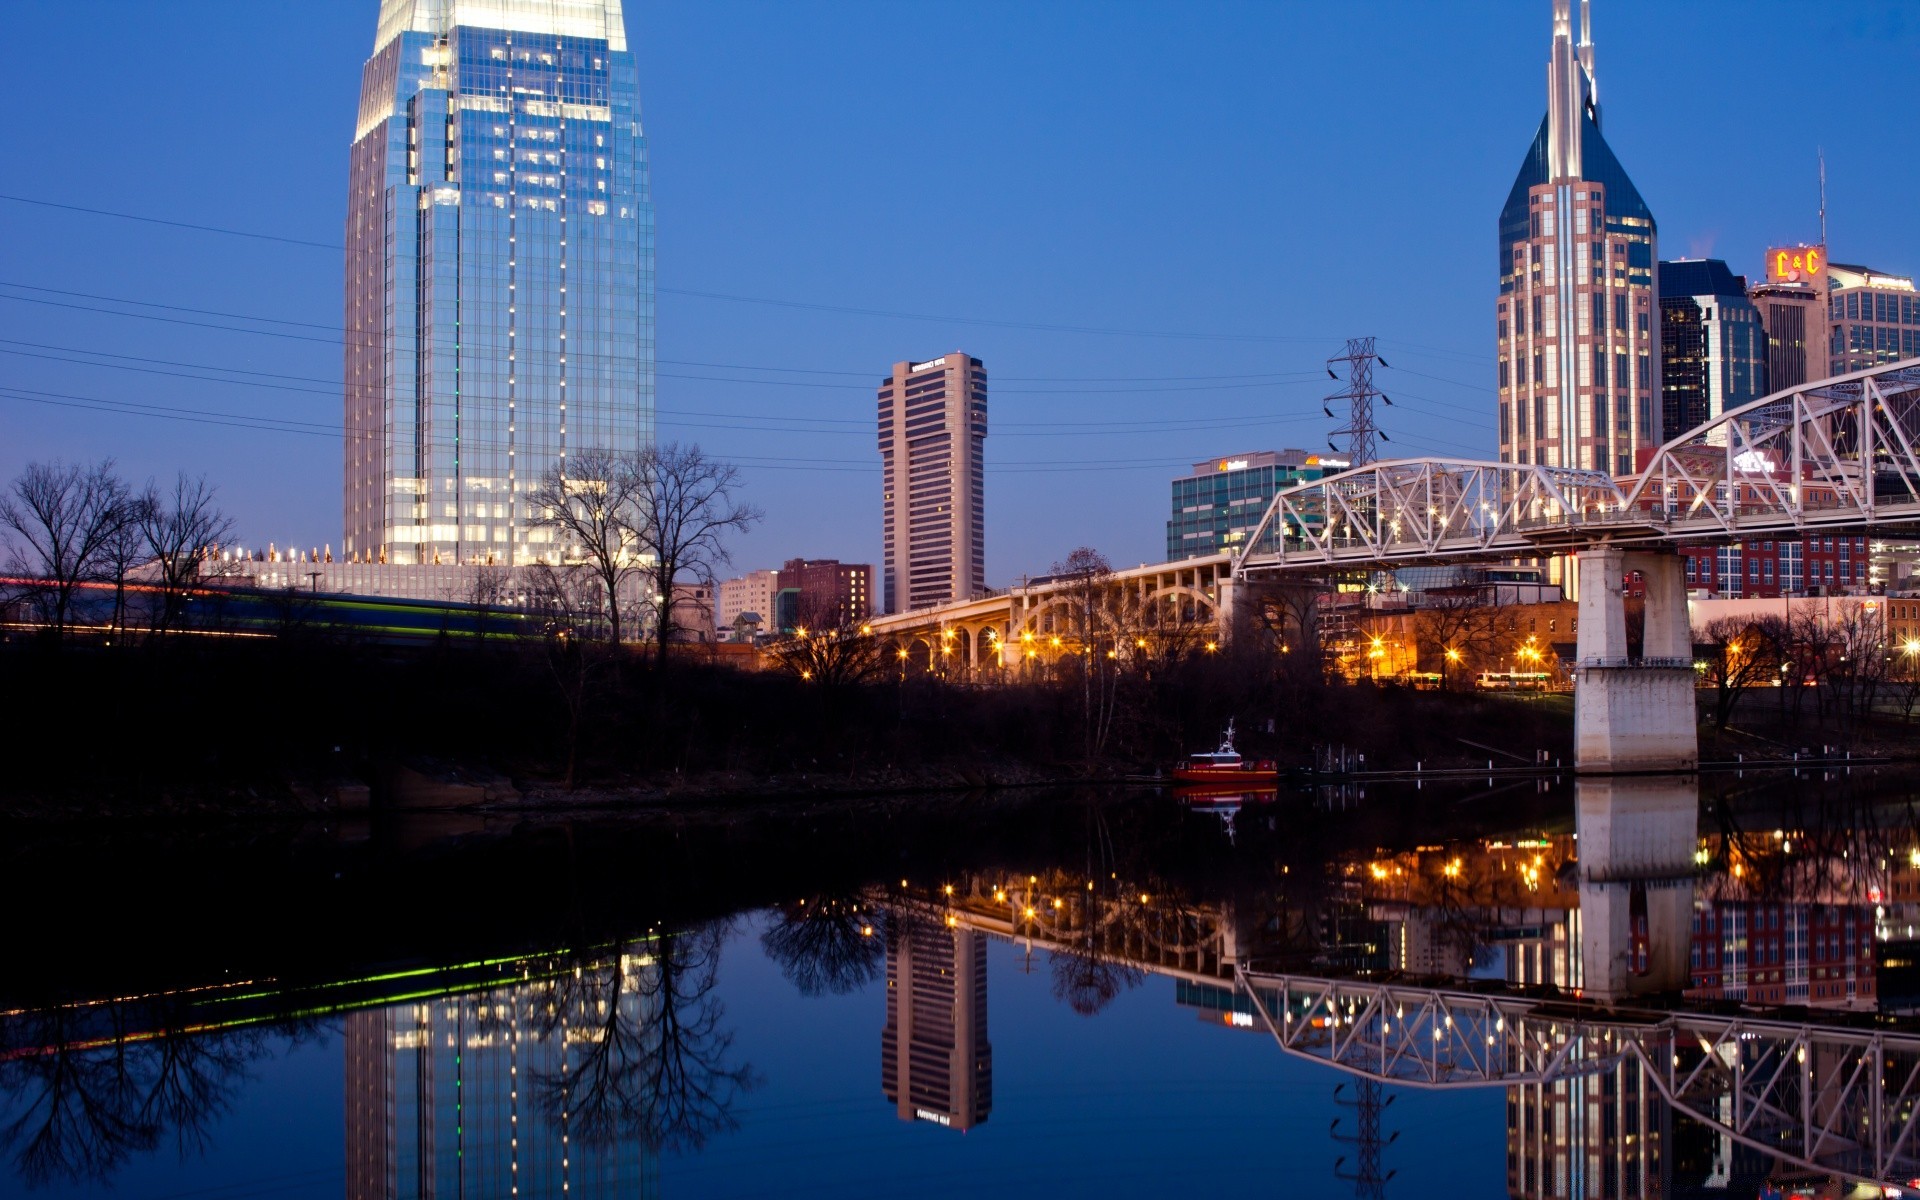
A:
x: 295, y: 727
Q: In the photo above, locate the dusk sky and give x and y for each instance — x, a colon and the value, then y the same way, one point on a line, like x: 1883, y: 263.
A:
x: 1153, y: 223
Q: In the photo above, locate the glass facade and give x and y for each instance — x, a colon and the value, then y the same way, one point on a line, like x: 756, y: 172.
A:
x: 503, y: 1092
x: 1873, y: 318
x: 1713, y: 349
x: 499, y: 271
x: 1217, y: 507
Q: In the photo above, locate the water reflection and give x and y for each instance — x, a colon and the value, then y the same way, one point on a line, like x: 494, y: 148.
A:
x: 1668, y: 995
x: 935, y: 1061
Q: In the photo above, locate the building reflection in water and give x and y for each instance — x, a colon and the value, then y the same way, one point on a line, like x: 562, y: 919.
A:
x: 474, y: 1095
x: 935, y: 1061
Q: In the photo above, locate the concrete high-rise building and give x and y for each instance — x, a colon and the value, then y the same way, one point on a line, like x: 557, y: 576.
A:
x: 935, y: 1061
x: 1792, y: 304
x: 1713, y: 350
x: 749, y: 593
x: 1873, y: 318
x: 933, y: 431
x: 1578, y: 355
x: 499, y: 271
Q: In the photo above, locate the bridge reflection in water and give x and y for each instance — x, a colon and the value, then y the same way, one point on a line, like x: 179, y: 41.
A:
x: 1652, y: 1002
x: 1597, y: 978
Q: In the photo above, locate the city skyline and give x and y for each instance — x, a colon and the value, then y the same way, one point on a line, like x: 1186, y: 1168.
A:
x: 741, y: 180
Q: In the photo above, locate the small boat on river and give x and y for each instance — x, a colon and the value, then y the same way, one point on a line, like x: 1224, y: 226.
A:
x: 1226, y: 767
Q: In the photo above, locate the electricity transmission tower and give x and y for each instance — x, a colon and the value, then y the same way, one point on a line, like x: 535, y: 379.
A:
x: 1368, y: 1182
x: 1360, y: 431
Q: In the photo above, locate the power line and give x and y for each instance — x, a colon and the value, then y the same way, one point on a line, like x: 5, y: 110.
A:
x: 1045, y: 327
x: 1248, y: 381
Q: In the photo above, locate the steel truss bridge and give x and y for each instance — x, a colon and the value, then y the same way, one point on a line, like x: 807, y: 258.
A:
x: 1828, y: 1099
x: 1839, y: 454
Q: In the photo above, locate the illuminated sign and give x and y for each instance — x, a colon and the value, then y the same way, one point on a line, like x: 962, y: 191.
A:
x: 1233, y: 464
x: 938, y: 362
x: 1338, y: 464
x: 1752, y: 462
x: 928, y: 1115
x: 1797, y: 264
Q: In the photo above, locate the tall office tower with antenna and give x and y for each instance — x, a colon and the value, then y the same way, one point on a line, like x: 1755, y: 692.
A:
x: 1579, y: 331
x: 499, y: 271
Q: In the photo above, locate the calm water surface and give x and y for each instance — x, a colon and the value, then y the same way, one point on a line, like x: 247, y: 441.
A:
x: 1081, y: 996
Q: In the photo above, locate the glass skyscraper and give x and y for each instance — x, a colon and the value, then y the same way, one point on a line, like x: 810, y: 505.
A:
x: 499, y: 271
x: 1579, y: 345
x: 1713, y: 349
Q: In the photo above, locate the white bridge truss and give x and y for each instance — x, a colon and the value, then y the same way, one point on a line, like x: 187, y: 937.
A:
x: 1828, y: 1099
x: 1840, y: 454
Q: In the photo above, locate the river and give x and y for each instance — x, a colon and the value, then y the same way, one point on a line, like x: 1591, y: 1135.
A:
x: 1658, y: 987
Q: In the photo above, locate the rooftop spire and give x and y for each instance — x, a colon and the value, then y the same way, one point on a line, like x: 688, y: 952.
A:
x: 1569, y: 90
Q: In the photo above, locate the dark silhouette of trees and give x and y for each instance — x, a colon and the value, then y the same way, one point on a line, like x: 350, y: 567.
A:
x: 182, y: 531
x: 84, y: 1105
x: 64, y: 520
x: 658, y: 1062
x: 687, y: 510
x: 1739, y: 653
x: 593, y: 505
x: 827, y: 945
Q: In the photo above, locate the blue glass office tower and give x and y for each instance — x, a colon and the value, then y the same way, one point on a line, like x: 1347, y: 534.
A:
x: 1713, y: 349
x: 499, y: 271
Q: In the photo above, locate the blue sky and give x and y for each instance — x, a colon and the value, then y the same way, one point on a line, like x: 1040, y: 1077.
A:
x: 1263, y: 179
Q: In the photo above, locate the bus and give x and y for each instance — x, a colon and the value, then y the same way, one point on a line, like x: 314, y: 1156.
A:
x: 1514, y: 681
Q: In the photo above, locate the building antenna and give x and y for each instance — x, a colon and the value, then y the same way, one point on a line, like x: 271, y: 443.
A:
x: 1823, y: 197
x: 1360, y: 431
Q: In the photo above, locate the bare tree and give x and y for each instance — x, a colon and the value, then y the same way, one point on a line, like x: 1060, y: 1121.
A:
x: 1458, y: 631
x: 827, y: 648
x: 827, y: 944
x: 1086, y: 572
x: 653, y: 1059
x: 63, y: 518
x: 564, y: 597
x: 594, y: 504
x: 1739, y: 654
x: 183, y: 532
x: 687, y: 509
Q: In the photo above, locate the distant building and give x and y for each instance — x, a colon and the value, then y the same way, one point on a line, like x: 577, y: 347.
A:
x: 827, y: 591
x: 1713, y: 350
x: 752, y: 592
x: 1792, y: 304
x: 1873, y: 318
x: 1766, y: 567
x: 1218, y: 503
x: 933, y: 431
x: 935, y: 1061
x: 1578, y: 356
x: 1819, y: 955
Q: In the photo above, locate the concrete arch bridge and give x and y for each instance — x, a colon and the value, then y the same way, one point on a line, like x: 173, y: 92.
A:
x: 1141, y: 610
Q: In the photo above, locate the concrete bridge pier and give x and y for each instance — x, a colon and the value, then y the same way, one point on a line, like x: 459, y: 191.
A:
x: 1637, y: 837
x: 1633, y: 713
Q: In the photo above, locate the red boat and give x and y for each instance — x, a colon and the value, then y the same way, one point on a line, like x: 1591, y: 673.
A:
x: 1224, y: 767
